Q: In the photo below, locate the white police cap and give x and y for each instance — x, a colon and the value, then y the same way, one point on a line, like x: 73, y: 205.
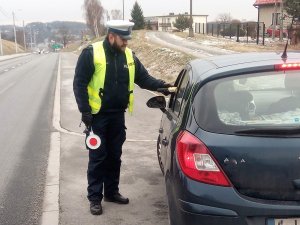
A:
x: 122, y: 28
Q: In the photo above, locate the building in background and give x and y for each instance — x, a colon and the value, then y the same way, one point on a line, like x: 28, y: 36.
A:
x: 270, y: 12
x: 151, y: 22
x: 165, y: 23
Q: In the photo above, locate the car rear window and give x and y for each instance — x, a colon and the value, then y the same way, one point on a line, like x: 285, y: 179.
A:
x: 255, y: 100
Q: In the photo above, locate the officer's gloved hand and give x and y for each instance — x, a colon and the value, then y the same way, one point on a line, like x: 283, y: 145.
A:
x: 165, y: 89
x: 87, y: 119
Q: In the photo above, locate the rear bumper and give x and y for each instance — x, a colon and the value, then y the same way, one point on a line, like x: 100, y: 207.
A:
x: 199, y: 219
x: 195, y: 203
x: 205, y: 210
x: 190, y: 213
x: 187, y: 218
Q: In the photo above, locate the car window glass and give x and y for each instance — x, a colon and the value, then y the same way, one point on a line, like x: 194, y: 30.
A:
x: 171, y: 102
x: 180, y: 92
x: 268, y: 99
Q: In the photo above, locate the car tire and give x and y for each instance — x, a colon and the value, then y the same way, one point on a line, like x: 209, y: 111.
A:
x: 158, y: 151
x: 172, y: 219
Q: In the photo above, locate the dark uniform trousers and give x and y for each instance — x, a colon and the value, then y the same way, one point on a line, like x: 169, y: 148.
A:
x: 105, y: 162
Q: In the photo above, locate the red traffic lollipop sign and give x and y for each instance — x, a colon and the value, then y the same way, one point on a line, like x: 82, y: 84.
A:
x: 93, y: 141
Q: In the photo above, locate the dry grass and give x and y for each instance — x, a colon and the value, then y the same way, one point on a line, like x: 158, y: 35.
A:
x: 161, y: 62
x: 10, y: 48
x: 71, y: 47
x: 165, y: 63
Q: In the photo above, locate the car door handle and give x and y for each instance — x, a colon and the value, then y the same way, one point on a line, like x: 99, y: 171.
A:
x: 165, y: 142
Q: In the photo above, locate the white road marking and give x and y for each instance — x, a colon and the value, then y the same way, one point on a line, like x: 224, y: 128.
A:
x: 56, y: 110
x: 50, y: 214
x: 137, y: 140
x: 6, y: 88
x: 56, y: 113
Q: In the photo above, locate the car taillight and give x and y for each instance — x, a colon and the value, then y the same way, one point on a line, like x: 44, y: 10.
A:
x: 196, y: 161
x: 288, y: 66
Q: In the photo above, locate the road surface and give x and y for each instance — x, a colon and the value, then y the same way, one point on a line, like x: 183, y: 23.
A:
x: 26, y: 99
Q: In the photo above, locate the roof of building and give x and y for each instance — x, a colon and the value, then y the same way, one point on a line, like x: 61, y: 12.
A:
x: 266, y: 2
x: 173, y: 15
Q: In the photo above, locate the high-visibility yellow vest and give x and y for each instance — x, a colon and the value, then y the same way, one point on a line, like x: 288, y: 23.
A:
x: 96, y: 84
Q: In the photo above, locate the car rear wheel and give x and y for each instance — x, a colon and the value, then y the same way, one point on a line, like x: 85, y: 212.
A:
x: 159, y: 155
x: 172, y: 212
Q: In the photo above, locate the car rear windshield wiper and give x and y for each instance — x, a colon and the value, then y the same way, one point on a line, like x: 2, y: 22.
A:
x: 270, y: 131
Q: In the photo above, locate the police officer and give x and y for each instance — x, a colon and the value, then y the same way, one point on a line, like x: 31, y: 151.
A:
x: 103, y: 86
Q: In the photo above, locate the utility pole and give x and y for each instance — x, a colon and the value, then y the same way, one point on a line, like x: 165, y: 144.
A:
x: 1, y: 48
x: 281, y: 20
x: 274, y: 20
x: 16, y: 44
x: 257, y: 26
x: 123, y: 9
x: 191, y: 31
x: 34, y: 38
x: 24, y: 36
x: 30, y: 38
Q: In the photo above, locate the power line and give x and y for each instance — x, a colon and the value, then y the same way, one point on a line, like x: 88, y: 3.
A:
x: 4, y: 12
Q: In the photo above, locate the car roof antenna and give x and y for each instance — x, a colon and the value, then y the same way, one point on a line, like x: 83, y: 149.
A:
x: 284, y: 54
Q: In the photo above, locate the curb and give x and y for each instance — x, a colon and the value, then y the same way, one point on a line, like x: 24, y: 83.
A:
x: 50, y: 214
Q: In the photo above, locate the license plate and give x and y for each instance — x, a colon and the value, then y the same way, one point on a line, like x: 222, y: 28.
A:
x: 288, y: 221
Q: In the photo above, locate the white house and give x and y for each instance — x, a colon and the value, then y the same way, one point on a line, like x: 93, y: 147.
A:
x: 271, y: 12
x: 165, y: 23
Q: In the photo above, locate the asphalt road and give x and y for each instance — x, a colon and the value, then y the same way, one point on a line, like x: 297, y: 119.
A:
x: 198, y: 49
x: 26, y: 103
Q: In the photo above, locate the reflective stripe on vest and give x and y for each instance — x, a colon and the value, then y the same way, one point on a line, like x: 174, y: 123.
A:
x: 131, y: 70
x: 96, y: 85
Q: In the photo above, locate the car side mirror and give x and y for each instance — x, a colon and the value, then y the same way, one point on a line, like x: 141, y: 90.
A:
x: 157, y: 102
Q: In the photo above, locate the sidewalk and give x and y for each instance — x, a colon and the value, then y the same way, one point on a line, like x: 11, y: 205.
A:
x: 141, y: 179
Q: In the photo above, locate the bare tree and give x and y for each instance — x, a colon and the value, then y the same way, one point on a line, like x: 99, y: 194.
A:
x: 64, y: 34
x: 116, y: 14
x: 94, y: 16
x: 107, y: 15
x: 20, y: 37
x: 224, y: 18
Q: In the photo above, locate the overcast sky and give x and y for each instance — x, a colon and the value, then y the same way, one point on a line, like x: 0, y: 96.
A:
x: 71, y: 10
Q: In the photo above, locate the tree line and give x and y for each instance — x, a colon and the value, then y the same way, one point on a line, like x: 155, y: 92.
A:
x: 95, y: 15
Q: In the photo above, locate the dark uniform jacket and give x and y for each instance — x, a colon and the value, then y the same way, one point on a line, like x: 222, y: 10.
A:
x: 116, y: 94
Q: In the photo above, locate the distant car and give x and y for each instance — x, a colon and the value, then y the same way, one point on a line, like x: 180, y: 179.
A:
x: 229, y: 141
x: 277, y: 32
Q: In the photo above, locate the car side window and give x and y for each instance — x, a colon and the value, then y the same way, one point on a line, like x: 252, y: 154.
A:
x: 176, y: 84
x: 178, y: 99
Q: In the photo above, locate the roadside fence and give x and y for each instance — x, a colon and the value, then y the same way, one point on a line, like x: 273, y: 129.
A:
x: 250, y: 32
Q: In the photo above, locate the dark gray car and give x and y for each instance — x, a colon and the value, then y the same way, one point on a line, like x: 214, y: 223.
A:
x: 229, y: 141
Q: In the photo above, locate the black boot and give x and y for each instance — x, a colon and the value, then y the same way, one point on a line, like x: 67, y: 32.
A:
x: 96, y: 208
x: 116, y: 198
